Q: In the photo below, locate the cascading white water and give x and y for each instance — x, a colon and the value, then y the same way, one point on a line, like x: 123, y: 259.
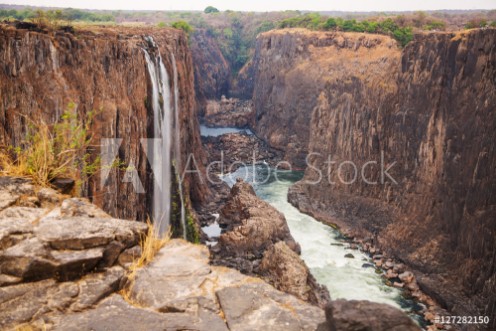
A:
x: 321, y: 249
x: 177, y: 146
x: 159, y: 153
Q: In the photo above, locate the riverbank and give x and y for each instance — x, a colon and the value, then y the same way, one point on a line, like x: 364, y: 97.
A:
x: 324, y: 243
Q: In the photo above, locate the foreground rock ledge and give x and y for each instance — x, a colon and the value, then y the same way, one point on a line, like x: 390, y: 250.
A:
x: 63, y: 265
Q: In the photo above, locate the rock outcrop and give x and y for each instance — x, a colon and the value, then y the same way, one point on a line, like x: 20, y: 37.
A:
x: 226, y: 153
x: 101, y: 70
x: 356, y: 315
x: 170, y: 285
x: 57, y: 253
x: 257, y: 241
x: 64, y: 266
x: 228, y: 113
x: 427, y: 110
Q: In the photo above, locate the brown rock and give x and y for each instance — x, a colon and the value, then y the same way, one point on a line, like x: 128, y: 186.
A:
x: 287, y: 272
x: 252, y: 224
x: 365, y: 315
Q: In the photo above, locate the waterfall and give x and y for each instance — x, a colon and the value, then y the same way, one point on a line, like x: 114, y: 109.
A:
x: 160, y: 152
x: 177, y: 146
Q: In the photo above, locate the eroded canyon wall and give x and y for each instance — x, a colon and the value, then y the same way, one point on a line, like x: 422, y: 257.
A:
x: 212, y: 71
x: 294, y: 67
x: 428, y: 110
x: 102, y: 70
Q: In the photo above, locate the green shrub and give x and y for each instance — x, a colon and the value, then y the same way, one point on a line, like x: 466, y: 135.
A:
x: 182, y: 25
x: 210, y: 10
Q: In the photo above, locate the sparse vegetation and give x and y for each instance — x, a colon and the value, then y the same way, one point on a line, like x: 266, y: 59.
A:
x: 150, y: 244
x: 52, y: 151
x: 388, y: 26
x: 68, y: 15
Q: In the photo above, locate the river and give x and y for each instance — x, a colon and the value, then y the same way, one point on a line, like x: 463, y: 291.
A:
x: 322, y: 247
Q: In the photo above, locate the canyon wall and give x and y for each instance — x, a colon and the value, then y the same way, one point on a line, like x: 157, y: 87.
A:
x: 102, y: 70
x: 294, y: 67
x: 212, y: 71
x: 428, y: 111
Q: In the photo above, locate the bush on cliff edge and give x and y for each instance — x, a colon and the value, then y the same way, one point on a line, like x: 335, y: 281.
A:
x: 61, y: 150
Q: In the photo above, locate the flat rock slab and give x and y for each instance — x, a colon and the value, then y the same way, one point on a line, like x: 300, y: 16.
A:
x: 116, y: 314
x: 261, y: 307
x: 180, y: 279
x: 83, y: 232
x: 64, y: 243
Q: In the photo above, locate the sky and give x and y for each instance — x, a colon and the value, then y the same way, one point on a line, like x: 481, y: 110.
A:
x: 264, y: 5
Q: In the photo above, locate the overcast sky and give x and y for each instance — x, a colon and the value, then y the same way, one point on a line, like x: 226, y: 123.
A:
x: 264, y: 5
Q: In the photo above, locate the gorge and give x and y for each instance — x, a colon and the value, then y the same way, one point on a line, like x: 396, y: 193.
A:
x: 304, y: 103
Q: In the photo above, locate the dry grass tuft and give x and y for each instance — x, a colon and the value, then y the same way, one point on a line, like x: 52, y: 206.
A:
x: 51, y: 151
x: 150, y: 245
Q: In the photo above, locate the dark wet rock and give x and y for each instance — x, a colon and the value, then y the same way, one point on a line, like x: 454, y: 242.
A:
x: 365, y: 315
x: 64, y: 185
x: 368, y: 265
x: 349, y: 256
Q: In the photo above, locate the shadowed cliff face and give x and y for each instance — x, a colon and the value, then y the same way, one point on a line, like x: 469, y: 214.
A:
x: 105, y: 71
x: 430, y: 109
x: 212, y: 71
x: 295, y: 67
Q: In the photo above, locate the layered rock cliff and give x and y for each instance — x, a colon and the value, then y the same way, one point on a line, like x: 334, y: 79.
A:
x: 427, y: 111
x: 102, y: 70
x: 294, y: 67
x: 212, y: 71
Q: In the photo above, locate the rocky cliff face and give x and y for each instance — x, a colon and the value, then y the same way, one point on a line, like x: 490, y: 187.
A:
x: 212, y: 71
x: 428, y: 111
x: 102, y: 70
x: 294, y: 67
x: 257, y: 241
